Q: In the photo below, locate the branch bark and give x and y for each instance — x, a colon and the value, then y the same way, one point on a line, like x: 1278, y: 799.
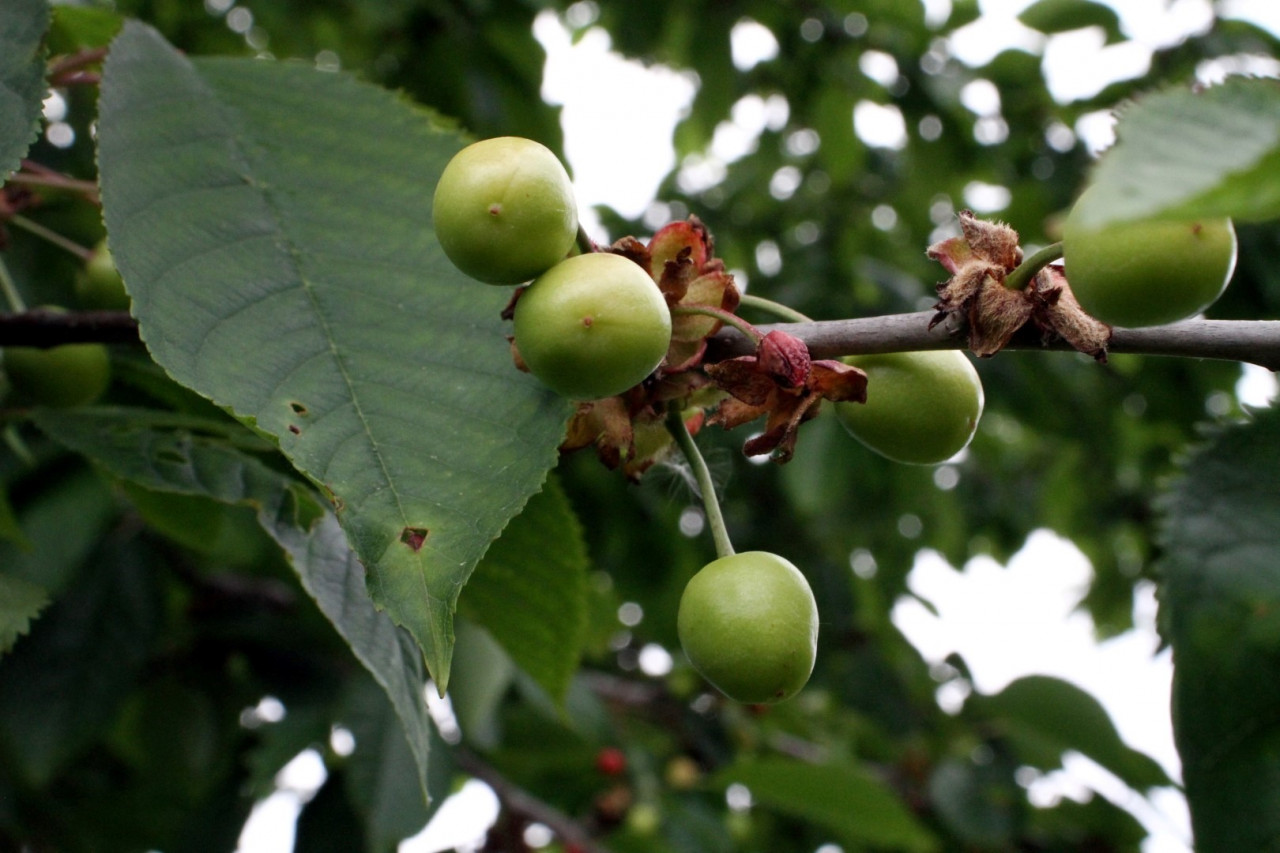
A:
x: 1253, y: 341
x: 43, y: 328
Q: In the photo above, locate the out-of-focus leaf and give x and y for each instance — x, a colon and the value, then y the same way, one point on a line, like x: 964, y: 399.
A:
x: 186, y: 455
x: 1046, y: 717
x: 22, y: 86
x: 76, y: 27
x: 1182, y: 153
x: 20, y: 602
x: 858, y: 807
x: 1220, y: 607
x: 62, y: 524
x: 1060, y: 16
x: 10, y: 530
x: 284, y: 266
x: 64, y: 681
x: 484, y: 673
x: 530, y: 590
x: 979, y: 802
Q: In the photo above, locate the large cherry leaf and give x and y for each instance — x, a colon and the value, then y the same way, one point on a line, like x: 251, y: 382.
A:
x: 22, y: 87
x: 1220, y: 610
x: 1183, y: 153
x: 272, y: 223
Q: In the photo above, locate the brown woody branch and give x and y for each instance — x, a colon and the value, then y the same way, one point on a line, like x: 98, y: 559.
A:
x: 44, y: 328
x: 1253, y: 341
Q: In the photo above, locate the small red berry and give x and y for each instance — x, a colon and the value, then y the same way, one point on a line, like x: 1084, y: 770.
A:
x: 611, y: 761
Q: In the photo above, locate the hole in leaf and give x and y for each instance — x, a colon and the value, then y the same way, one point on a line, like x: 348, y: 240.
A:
x: 414, y: 537
x: 298, y: 408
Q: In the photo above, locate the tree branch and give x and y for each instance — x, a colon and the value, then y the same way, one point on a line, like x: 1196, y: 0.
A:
x: 524, y: 804
x: 1253, y: 341
x: 43, y: 328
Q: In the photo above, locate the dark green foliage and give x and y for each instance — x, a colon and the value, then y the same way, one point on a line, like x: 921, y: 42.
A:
x: 172, y: 558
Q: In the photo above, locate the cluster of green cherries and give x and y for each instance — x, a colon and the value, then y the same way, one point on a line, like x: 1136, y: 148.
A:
x: 69, y: 375
x: 593, y: 325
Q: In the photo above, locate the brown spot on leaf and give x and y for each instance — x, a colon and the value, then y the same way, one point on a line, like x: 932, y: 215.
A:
x: 414, y: 537
x: 295, y: 429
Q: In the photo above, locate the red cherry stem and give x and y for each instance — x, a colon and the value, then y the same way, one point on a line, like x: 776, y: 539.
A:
x: 726, y: 317
x: 702, y: 475
x: 1026, y: 271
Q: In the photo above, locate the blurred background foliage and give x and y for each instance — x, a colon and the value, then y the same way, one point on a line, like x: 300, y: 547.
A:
x: 173, y: 619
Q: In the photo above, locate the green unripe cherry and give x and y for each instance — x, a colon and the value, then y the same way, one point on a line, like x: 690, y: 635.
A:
x: 1147, y: 272
x: 922, y: 408
x: 61, y: 377
x: 504, y: 210
x: 592, y: 326
x: 99, y: 285
x: 749, y: 624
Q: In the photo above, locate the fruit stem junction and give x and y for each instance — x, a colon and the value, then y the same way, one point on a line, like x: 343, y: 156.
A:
x: 1026, y: 271
x: 702, y: 475
x: 777, y: 309
x: 726, y: 317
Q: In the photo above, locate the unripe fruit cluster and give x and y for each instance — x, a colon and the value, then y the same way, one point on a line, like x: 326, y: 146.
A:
x: 589, y: 326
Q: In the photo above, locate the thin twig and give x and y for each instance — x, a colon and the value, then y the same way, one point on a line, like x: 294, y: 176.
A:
x: 36, y: 175
x: 52, y: 236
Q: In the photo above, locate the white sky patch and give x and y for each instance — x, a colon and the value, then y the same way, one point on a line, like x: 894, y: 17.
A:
x: 751, y: 43
x: 618, y: 114
x: 880, y: 125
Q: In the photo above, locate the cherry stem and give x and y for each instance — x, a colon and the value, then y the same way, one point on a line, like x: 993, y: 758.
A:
x: 52, y: 236
x: 726, y: 317
x: 35, y: 175
x: 585, y: 244
x: 1023, y: 274
x: 777, y: 309
x: 9, y: 291
x: 702, y: 475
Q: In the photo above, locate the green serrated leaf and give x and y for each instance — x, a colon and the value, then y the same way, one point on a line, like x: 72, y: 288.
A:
x: 1220, y: 606
x: 1047, y: 717
x: 530, y: 591
x: 858, y: 807
x: 273, y: 223
x: 1060, y: 16
x: 185, y: 455
x: 22, y: 86
x: 1183, y: 154
x: 20, y: 602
